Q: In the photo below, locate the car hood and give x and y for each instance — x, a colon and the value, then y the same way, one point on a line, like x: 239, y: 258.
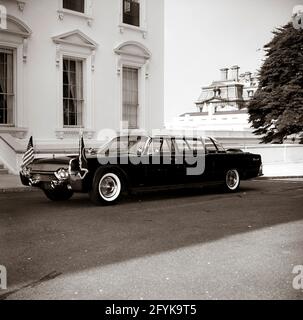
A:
x: 51, y: 164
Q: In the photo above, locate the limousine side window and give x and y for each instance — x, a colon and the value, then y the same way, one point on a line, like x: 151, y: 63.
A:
x: 195, y: 145
x: 209, y: 146
x: 182, y: 145
x: 158, y: 146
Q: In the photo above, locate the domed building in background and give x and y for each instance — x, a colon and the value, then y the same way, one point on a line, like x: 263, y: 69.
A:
x: 222, y: 108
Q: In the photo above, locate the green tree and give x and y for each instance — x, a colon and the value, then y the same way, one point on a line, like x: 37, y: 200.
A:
x: 276, y: 111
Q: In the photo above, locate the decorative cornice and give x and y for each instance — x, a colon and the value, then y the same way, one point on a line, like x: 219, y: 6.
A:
x: 145, y: 53
x: 24, y: 31
x: 88, y: 42
x: 16, y: 132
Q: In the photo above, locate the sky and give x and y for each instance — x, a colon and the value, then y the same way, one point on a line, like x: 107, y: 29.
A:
x: 203, y: 36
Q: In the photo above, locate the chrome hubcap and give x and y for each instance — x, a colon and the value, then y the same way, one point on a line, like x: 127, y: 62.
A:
x: 232, y: 179
x: 108, y: 187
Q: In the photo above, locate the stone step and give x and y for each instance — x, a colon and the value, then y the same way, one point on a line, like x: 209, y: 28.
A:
x: 3, y: 171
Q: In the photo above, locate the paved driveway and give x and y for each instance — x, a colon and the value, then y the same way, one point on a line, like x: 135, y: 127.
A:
x: 186, y: 244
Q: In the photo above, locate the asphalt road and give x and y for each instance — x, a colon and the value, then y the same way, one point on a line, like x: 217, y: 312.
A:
x: 185, y: 244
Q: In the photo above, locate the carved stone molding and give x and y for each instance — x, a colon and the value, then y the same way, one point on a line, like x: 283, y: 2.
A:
x: 58, y: 50
x: 25, y: 49
x: 21, y: 5
x: 66, y: 133
x: 63, y: 12
x: 123, y: 27
x: 19, y: 133
x: 93, y: 59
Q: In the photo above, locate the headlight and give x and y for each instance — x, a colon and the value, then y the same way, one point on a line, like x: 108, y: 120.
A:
x: 62, y: 174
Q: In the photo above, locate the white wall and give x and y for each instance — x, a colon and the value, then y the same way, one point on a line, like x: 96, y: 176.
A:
x: 40, y: 70
x: 278, y: 154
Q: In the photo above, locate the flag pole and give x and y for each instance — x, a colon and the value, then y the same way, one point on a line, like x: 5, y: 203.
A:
x: 82, y: 158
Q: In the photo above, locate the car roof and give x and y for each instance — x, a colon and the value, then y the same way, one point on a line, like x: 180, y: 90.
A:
x: 163, y: 136
x: 180, y: 137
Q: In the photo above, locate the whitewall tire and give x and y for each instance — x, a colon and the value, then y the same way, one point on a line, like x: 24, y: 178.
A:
x: 107, y: 187
x: 110, y: 187
x: 232, y: 180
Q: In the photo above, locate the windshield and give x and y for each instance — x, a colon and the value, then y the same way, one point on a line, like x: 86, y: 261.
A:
x: 131, y: 145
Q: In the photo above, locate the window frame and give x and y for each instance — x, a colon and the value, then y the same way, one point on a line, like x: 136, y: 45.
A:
x: 87, y: 87
x: 207, y: 151
x: 134, y: 55
x: 16, y: 38
x: 162, y: 141
x: 142, y: 20
x: 176, y: 146
x: 86, y: 50
x: 138, y: 106
x: 82, y: 60
x: 76, y: 11
x: 14, y: 85
x: 87, y: 14
x: 196, y: 150
x: 141, y: 95
x: 139, y: 13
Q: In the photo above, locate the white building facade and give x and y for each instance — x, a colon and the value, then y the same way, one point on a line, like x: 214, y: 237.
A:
x: 82, y: 65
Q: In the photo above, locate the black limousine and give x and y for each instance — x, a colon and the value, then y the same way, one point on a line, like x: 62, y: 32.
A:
x: 131, y: 163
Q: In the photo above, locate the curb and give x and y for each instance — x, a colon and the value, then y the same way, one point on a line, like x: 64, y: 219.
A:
x: 279, y: 177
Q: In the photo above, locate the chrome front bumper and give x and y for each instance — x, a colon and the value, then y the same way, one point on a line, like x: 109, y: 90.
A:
x: 50, y: 181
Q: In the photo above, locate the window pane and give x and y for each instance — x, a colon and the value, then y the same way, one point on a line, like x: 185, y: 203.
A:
x: 181, y: 145
x: 155, y: 146
x: 195, y: 144
x: 75, y: 5
x: 131, y: 12
x: 130, y: 97
x: 210, y: 147
x: 6, y: 86
x: 166, y: 147
x: 72, y: 92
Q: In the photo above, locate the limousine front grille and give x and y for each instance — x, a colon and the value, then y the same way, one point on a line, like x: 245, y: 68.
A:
x: 43, y: 176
